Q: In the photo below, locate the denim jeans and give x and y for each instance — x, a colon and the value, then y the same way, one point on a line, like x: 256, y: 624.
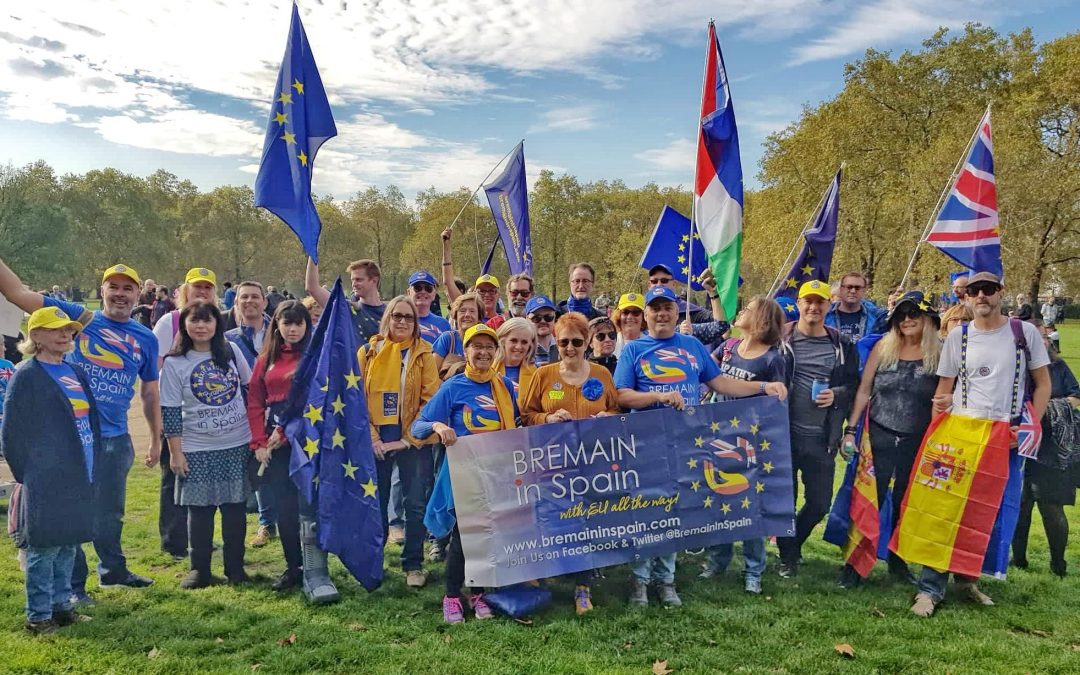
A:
x: 933, y: 582
x: 267, y: 501
x: 396, y: 511
x: 660, y: 569
x: 753, y: 551
x: 48, y: 581
x: 110, y: 477
x: 414, y: 466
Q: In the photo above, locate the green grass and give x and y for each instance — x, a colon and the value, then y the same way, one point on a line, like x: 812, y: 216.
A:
x: 792, y: 628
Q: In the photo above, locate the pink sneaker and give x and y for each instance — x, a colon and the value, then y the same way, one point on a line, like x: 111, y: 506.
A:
x: 452, y: 611
x: 480, y: 608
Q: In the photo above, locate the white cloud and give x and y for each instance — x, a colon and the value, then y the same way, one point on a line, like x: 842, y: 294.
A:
x: 679, y: 155
x: 570, y: 118
x: 184, y: 131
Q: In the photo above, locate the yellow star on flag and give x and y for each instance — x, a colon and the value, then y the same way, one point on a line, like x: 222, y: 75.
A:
x: 298, y: 86
x: 807, y: 270
x: 313, y: 414
x: 754, y: 428
x: 303, y: 158
x: 725, y: 507
x: 714, y: 427
x: 325, y: 387
x: 281, y: 118
x: 315, y: 481
x: 692, y: 463
x: 369, y: 488
x: 708, y: 501
x: 695, y: 486
x: 734, y: 421
x: 746, y: 502
x: 699, y: 442
x: 765, y: 445
x: 682, y: 247
x: 352, y: 381
x: 311, y: 447
x: 286, y: 97
x: 681, y: 259
x: 767, y: 466
x: 686, y: 237
x: 759, y: 487
x: 350, y: 470
x: 289, y: 137
x: 686, y: 270
x: 791, y: 283
x: 339, y: 406
x: 697, y: 236
x: 338, y: 439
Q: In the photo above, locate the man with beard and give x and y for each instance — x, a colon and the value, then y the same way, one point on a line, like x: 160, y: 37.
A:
x: 541, y: 311
x: 519, y: 289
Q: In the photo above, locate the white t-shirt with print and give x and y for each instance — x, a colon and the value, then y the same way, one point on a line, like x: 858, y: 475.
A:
x: 991, y: 363
x: 215, y: 416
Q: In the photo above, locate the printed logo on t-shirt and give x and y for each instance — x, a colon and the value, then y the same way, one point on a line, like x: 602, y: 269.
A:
x: 77, y: 397
x: 663, y: 365
x: 429, y: 332
x: 482, y: 416
x: 983, y: 371
x: 213, y: 386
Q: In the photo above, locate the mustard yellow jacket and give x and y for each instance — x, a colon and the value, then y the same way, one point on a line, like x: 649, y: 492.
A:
x: 421, y: 383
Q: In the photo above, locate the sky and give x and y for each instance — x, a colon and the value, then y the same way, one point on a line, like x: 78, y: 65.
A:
x: 432, y: 93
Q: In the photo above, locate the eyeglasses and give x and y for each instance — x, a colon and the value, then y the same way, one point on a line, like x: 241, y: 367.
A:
x: 986, y: 288
x: 581, y: 282
x: 487, y: 291
x: 402, y: 318
x: 423, y: 288
x: 606, y: 336
x: 660, y: 281
x: 852, y: 287
x: 520, y: 294
x: 542, y: 318
x: 481, y: 347
x: 566, y: 342
x: 631, y: 311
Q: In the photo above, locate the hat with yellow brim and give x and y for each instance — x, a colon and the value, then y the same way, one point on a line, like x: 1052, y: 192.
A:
x: 200, y: 274
x: 480, y: 329
x: 815, y: 288
x: 122, y: 270
x: 51, y: 318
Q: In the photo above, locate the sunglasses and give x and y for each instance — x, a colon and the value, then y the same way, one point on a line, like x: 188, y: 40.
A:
x: 908, y: 313
x: 423, y: 288
x: 632, y: 312
x: 605, y: 336
x: 542, y: 318
x: 660, y: 281
x: 987, y: 289
x: 566, y: 342
x: 402, y: 318
x: 520, y: 294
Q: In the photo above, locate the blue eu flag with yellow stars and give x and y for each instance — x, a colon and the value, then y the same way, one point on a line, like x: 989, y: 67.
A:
x: 300, y: 122
x: 672, y: 246
x: 815, y: 259
x: 332, y: 463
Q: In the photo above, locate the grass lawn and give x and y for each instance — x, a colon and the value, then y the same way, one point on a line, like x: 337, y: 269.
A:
x: 794, y: 627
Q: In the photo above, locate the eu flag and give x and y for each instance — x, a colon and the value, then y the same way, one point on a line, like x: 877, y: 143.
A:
x: 332, y: 463
x: 300, y: 121
x: 509, y: 201
x: 671, y: 246
x: 815, y: 259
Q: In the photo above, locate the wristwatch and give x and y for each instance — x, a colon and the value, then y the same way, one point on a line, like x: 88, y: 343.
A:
x: 761, y: 390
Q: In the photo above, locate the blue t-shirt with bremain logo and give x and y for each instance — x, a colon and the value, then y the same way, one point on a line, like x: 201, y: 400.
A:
x: 65, y: 376
x: 678, y: 363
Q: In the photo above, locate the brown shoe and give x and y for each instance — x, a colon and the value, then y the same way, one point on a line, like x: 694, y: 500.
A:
x: 44, y: 627
x: 924, y: 605
x: 66, y: 618
x: 262, y: 537
x: 970, y: 590
x: 396, y: 535
x: 415, y: 578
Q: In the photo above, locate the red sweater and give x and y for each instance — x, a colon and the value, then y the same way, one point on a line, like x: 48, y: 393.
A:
x: 267, y: 388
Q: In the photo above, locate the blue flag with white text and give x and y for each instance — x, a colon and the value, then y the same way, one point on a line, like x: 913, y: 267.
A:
x: 509, y: 201
x: 815, y: 259
x: 672, y: 246
x: 332, y: 463
x: 300, y: 122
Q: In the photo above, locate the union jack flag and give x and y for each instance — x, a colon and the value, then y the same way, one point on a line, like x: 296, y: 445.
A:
x: 966, y: 228
x: 126, y: 342
x: 725, y: 450
x: 670, y: 355
x: 1029, y: 433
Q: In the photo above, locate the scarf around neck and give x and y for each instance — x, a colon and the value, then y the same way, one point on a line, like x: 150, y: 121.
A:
x: 385, y: 382
x: 504, y: 404
x: 583, y: 306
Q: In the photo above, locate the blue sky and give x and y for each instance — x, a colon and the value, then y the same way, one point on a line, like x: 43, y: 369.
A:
x: 434, y: 92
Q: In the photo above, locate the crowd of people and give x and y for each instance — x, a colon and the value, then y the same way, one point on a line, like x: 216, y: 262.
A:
x: 214, y: 374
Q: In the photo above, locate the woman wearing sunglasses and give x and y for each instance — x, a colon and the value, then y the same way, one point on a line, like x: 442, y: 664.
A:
x: 898, y: 384
x: 629, y: 320
x: 571, y: 389
x: 602, y: 338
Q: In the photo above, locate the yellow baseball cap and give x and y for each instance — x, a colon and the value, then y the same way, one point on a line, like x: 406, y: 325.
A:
x: 486, y: 279
x: 122, y: 270
x: 631, y: 300
x: 818, y: 288
x: 200, y: 274
x: 479, y: 329
x: 51, y: 317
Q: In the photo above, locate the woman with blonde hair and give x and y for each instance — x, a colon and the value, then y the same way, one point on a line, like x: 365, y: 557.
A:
x: 898, y: 384
x: 953, y: 317
x: 464, y: 314
x: 517, y: 347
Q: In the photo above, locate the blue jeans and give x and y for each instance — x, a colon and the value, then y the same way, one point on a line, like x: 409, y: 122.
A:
x: 660, y: 569
x: 414, y: 466
x: 933, y: 582
x: 110, y: 477
x: 753, y: 551
x: 267, y: 501
x: 396, y: 511
x: 48, y: 581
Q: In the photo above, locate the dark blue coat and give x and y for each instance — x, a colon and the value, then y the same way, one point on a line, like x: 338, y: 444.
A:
x: 43, y: 449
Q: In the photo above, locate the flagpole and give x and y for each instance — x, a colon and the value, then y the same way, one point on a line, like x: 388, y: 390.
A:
x: 473, y: 195
x: 694, y: 199
x: 941, y: 197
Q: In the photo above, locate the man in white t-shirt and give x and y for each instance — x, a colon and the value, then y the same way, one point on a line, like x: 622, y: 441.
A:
x: 989, y: 370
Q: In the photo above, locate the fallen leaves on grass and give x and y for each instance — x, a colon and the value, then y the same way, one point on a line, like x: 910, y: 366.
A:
x: 220, y: 641
x: 255, y: 666
x: 153, y: 653
x: 356, y: 627
x: 628, y: 646
x: 1030, y: 631
x: 448, y: 638
x: 878, y: 613
x: 845, y: 650
x: 289, y: 641
x: 661, y: 668
x: 524, y: 622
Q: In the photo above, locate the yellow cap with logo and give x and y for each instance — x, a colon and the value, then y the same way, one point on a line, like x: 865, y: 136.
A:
x: 818, y: 288
x: 200, y: 274
x: 631, y: 300
x: 479, y: 329
x: 124, y: 271
x: 51, y: 317
x: 486, y: 279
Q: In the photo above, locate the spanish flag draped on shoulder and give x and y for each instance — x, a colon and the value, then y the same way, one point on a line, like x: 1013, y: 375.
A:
x: 718, y: 179
x: 854, y: 522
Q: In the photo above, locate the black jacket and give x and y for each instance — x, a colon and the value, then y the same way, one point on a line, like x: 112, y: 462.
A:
x: 844, y: 379
x: 42, y: 447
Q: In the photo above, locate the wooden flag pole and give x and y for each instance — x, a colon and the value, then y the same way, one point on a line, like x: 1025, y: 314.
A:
x: 473, y: 195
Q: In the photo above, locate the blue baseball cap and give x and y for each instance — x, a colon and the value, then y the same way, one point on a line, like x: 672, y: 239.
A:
x: 422, y: 277
x: 660, y: 293
x: 538, y: 302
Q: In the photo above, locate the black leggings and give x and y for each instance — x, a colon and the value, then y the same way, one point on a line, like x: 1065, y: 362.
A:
x: 894, y: 455
x: 288, y: 507
x: 233, y: 531
x: 1055, y: 524
x: 455, y: 567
